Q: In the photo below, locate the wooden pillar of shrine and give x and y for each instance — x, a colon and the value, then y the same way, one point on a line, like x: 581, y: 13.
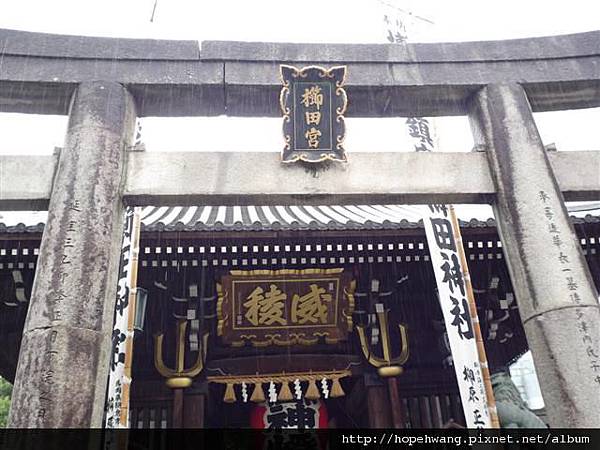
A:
x: 193, y: 410
x: 188, y: 409
x: 378, y: 402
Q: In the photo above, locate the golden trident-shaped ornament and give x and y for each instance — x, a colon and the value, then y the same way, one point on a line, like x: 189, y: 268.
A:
x: 386, y: 366
x: 179, y: 378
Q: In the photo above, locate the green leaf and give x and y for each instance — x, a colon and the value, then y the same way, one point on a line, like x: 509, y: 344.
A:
x: 5, y: 393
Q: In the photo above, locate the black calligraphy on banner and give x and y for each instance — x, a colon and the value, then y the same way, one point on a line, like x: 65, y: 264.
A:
x: 443, y: 234
x: 122, y: 301
x: 472, y: 381
x: 473, y: 394
x: 453, y: 276
x: 118, y: 355
x: 120, y: 323
x: 478, y: 419
x: 468, y: 375
x: 453, y: 291
x: 453, y: 273
x: 419, y: 128
x: 439, y: 209
x: 302, y: 414
x: 462, y: 319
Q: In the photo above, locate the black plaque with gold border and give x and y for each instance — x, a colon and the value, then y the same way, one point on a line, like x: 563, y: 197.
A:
x: 313, y: 102
x: 285, y: 307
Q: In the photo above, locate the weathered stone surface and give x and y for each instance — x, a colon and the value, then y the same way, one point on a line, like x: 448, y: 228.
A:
x: 260, y: 178
x: 574, y: 393
x: 549, y: 273
x: 15, y: 42
x: 563, y: 46
x: 237, y: 78
x: 55, y: 386
x: 83, y: 217
x: 76, y: 279
x: 25, y: 43
x: 577, y: 173
x: 156, y: 178
x: 219, y: 178
x: 26, y: 181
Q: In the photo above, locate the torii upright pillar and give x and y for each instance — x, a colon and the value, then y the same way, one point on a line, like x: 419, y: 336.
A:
x: 557, y: 299
x: 64, y: 358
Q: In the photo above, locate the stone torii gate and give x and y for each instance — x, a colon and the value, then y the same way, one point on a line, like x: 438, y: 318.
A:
x: 104, y: 84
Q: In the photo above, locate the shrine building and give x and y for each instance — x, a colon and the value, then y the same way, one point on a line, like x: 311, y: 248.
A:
x: 180, y: 290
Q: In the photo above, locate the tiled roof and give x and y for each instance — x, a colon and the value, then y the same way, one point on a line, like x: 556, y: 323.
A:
x: 271, y: 218
x: 258, y: 218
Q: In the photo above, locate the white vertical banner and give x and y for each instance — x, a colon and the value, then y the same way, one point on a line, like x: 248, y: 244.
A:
x: 119, y: 379
x: 449, y: 264
x: 453, y: 288
x: 422, y: 133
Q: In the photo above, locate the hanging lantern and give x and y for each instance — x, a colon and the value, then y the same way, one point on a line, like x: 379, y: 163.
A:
x: 141, y: 300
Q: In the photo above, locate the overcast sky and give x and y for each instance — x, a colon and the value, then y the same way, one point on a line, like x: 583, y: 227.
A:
x: 306, y: 21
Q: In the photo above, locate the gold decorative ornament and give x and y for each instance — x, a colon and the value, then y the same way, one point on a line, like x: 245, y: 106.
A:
x: 258, y: 396
x: 312, y: 393
x: 386, y: 366
x: 285, y: 394
x: 390, y: 371
x: 179, y: 377
x: 229, y: 396
x: 336, y: 389
x: 179, y: 382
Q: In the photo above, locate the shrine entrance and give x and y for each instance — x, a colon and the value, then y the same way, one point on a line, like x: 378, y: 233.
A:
x: 278, y: 325
x: 383, y: 350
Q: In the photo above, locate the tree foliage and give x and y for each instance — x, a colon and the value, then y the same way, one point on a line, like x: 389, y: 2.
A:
x: 5, y: 393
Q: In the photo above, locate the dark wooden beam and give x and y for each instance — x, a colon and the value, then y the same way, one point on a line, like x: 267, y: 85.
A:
x: 292, y: 362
